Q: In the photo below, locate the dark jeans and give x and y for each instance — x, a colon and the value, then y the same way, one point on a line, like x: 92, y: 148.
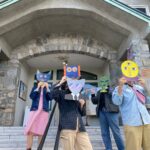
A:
x: 110, y: 120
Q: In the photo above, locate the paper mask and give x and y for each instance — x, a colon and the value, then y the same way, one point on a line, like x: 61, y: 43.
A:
x: 75, y: 86
x: 89, y: 89
x: 103, y: 83
x: 130, y: 70
x: 43, y: 77
x: 72, y: 71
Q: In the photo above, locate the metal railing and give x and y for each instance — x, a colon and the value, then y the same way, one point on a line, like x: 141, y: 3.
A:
x: 40, y: 147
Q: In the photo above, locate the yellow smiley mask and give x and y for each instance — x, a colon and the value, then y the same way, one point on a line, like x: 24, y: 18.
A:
x: 129, y: 69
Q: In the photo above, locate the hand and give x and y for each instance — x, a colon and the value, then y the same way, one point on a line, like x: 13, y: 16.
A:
x: 82, y: 102
x: 142, y: 82
x: 43, y: 85
x: 46, y: 85
x: 122, y: 81
x: 39, y: 84
x: 64, y: 79
x: 92, y: 91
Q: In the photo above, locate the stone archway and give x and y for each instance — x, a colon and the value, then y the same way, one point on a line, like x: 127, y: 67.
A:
x: 44, y: 45
x: 65, y: 43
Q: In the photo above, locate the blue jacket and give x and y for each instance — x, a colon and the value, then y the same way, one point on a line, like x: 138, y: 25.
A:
x: 35, y: 96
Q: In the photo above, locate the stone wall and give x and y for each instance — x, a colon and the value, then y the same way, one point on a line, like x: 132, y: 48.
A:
x: 9, y: 74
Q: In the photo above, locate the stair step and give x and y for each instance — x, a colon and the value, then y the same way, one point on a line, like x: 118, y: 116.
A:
x: 13, y: 138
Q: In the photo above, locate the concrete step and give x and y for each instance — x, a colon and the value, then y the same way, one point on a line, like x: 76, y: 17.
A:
x: 13, y: 138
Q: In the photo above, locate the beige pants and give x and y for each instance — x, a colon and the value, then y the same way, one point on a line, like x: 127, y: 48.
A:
x: 73, y: 140
x: 137, y: 137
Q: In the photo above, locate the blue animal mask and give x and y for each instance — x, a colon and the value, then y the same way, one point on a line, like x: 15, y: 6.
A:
x: 72, y: 71
x: 43, y: 77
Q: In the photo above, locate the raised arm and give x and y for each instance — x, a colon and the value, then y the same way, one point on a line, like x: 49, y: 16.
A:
x: 56, y: 91
x: 82, y: 107
x: 117, y: 95
x: 35, y: 92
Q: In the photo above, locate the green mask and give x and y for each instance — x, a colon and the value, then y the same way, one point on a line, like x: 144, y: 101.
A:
x: 103, y: 83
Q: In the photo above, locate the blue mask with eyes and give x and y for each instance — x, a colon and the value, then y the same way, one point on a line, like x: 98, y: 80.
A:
x: 72, y: 71
x: 43, y: 77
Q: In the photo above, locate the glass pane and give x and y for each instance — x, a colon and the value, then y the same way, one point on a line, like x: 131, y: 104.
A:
x: 143, y: 10
x: 88, y: 76
x: 60, y: 74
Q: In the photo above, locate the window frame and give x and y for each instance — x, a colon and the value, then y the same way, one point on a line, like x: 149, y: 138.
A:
x: 142, y: 6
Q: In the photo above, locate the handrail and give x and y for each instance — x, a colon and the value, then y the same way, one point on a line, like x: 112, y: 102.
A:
x: 47, y: 128
x: 57, y: 138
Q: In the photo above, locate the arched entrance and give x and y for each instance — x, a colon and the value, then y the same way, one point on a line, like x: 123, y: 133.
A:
x: 94, y: 60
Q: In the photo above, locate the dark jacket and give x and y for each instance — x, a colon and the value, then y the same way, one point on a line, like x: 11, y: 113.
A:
x: 70, y: 111
x: 35, y: 96
x: 104, y: 100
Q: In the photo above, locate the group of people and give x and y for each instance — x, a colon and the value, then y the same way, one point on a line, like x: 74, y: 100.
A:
x: 131, y: 99
x: 126, y: 97
x: 73, y: 133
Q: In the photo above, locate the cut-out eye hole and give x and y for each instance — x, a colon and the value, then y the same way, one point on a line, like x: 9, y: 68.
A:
x: 41, y: 76
x: 74, y: 69
x: 125, y: 68
x: 69, y: 69
x: 133, y: 68
x: 45, y: 76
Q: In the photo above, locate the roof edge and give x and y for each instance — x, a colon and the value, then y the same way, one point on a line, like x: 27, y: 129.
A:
x: 7, y: 3
x: 129, y: 10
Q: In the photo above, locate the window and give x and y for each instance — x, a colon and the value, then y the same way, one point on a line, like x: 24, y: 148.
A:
x: 88, y: 76
x: 84, y: 74
x: 142, y: 8
x: 60, y: 74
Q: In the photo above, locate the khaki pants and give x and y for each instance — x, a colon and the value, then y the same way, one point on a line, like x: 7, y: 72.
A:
x: 137, y: 137
x: 73, y: 140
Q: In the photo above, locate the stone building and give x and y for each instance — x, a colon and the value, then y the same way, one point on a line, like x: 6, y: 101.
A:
x: 41, y: 34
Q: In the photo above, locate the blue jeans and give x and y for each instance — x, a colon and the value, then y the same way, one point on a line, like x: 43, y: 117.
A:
x: 110, y: 120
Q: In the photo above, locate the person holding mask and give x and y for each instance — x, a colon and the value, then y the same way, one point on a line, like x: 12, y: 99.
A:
x: 108, y: 114
x: 73, y: 134
x: 131, y: 99
x: 38, y: 116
